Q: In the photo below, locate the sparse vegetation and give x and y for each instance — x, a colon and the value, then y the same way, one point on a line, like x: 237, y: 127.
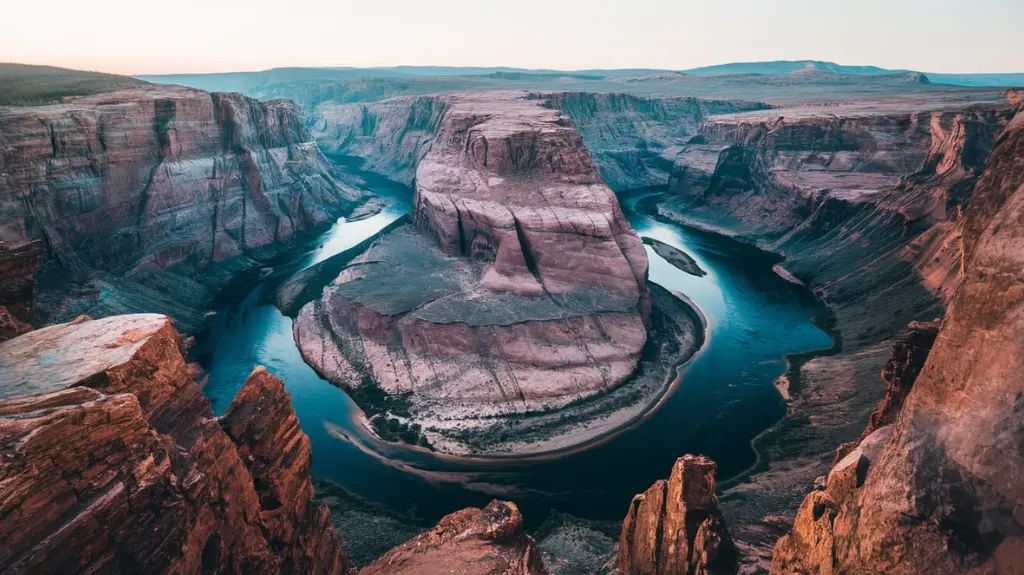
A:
x: 24, y: 85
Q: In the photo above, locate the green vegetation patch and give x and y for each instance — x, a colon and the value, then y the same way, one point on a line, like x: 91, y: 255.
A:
x: 23, y: 85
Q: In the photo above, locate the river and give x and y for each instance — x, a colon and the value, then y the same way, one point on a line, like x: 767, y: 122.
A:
x: 725, y: 398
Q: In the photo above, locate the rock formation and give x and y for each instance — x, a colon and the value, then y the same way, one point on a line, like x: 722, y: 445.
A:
x: 865, y: 200
x: 134, y: 182
x: 899, y: 374
x: 389, y: 137
x: 676, y: 528
x: 468, y: 542
x: 531, y: 286
x: 114, y: 463
x: 19, y: 262
x: 939, y: 490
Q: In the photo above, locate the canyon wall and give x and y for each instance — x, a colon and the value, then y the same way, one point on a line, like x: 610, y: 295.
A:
x: 635, y: 140
x: 389, y: 137
x: 867, y: 207
x: 939, y: 490
x: 135, y: 182
x: 114, y: 463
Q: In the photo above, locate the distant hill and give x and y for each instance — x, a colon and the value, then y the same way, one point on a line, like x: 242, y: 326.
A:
x: 24, y: 85
x: 250, y: 82
x: 793, y: 66
x: 788, y: 67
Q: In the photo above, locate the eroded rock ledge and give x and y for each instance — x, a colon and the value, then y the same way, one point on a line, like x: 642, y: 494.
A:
x: 519, y: 288
x: 113, y: 462
x: 676, y: 528
x: 124, y: 188
x: 470, y: 542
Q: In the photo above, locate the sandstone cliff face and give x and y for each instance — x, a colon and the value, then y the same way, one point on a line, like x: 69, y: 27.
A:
x: 114, y: 463
x: 531, y: 286
x: 866, y: 205
x: 939, y: 491
x: 140, y: 180
x: 19, y: 262
x: 468, y: 542
x: 389, y: 136
x: 635, y: 140
x: 676, y: 528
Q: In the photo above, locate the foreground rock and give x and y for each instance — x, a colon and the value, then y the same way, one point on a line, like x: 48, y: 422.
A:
x: 124, y: 186
x: 939, y: 491
x: 467, y: 542
x: 530, y: 288
x: 676, y: 528
x: 114, y: 462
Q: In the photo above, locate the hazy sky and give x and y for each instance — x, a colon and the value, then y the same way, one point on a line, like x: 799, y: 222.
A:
x: 145, y: 36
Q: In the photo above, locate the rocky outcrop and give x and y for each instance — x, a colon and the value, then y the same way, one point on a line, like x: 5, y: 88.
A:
x: 942, y: 493
x: 676, y: 528
x: 135, y: 182
x: 469, y: 542
x: 114, y: 462
x: 531, y: 288
x: 19, y: 261
x: 899, y: 374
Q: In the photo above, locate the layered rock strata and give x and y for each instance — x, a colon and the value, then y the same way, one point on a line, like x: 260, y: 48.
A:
x: 530, y: 286
x: 114, y: 463
x: 676, y: 528
x: 132, y: 183
x: 469, y: 542
x: 866, y: 203
x: 939, y: 490
x: 19, y: 262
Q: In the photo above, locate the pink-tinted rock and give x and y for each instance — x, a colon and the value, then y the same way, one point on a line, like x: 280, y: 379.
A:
x: 520, y: 288
x: 676, y: 528
x: 943, y: 494
x: 114, y: 463
x: 468, y: 542
x: 146, y: 178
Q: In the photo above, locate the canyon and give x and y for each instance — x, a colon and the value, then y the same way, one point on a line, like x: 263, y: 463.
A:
x: 531, y: 326
x: 141, y: 199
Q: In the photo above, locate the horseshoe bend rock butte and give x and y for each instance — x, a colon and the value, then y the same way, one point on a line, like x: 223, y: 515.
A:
x: 113, y: 462
x: 519, y: 287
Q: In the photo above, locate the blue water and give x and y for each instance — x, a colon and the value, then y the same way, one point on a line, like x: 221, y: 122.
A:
x: 725, y: 399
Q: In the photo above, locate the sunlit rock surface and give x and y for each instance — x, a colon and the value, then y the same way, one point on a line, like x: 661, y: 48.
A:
x: 114, y: 463
x: 943, y: 493
x: 468, y: 542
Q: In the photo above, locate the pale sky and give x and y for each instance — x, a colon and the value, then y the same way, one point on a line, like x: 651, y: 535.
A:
x: 168, y: 36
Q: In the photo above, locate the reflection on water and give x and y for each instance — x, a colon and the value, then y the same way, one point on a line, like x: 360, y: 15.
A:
x: 725, y: 399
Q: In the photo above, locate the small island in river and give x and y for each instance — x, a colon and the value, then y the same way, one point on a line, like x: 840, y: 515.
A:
x: 676, y: 257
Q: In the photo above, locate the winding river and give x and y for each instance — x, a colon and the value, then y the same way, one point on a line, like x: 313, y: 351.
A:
x: 725, y: 397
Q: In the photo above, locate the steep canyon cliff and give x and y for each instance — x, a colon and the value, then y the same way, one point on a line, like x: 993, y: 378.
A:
x: 123, y: 186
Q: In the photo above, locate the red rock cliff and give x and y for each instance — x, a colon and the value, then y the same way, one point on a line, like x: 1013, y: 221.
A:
x: 940, y: 490
x: 153, y: 176
x: 676, y: 528
x: 112, y: 462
